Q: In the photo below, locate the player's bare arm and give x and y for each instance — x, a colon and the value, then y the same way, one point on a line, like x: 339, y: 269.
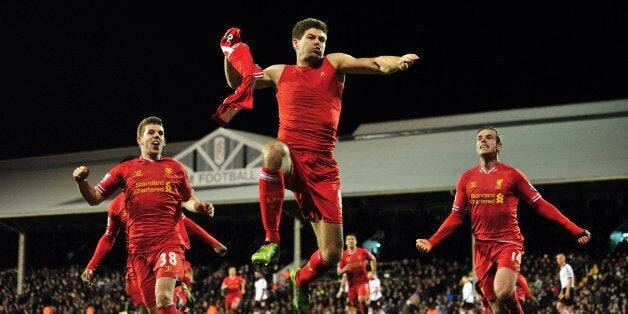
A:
x: 373, y: 264
x: 89, y: 193
x: 271, y: 76
x: 231, y: 75
x: 346, y: 64
x: 195, y: 205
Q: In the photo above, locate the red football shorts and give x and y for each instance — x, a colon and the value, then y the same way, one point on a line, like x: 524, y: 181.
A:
x: 132, y: 287
x: 166, y: 262
x: 356, y: 291
x: 315, y: 182
x: 491, y: 255
x: 232, y: 301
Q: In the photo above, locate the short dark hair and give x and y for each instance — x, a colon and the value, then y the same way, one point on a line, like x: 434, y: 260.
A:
x: 498, y: 135
x: 351, y: 235
x: 301, y: 26
x: 150, y: 120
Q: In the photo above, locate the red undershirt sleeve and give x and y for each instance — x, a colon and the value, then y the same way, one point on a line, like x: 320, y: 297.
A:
x: 105, y: 244
x: 451, y: 224
x: 198, y: 232
x: 551, y: 213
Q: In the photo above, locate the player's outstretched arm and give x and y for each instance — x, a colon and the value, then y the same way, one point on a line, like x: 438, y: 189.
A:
x: 550, y: 212
x: 346, y: 64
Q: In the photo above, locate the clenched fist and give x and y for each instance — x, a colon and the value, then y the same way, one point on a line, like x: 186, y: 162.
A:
x: 80, y: 174
x: 406, y: 61
x: 423, y: 245
x: 221, y: 250
x: 205, y: 208
x: 87, y: 276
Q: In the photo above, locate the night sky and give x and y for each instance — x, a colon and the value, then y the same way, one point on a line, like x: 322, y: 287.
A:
x: 79, y: 76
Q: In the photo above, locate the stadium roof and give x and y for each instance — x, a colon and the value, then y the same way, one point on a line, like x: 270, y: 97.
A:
x: 554, y: 144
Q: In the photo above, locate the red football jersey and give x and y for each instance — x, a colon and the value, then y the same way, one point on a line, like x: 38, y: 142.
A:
x: 310, y: 101
x: 356, y: 262
x: 491, y: 197
x: 234, y: 287
x: 154, y: 191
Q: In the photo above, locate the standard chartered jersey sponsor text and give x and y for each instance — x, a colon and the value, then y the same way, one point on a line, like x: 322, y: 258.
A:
x: 225, y: 177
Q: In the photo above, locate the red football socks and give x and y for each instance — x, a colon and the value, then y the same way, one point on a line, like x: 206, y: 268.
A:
x: 168, y: 309
x: 314, y: 269
x: 271, y: 195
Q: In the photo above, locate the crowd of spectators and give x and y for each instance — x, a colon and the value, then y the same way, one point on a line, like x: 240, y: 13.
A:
x: 57, y: 251
x: 409, y: 286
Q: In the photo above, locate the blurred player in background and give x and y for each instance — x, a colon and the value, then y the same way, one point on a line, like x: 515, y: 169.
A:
x: 352, y: 267
x: 233, y: 287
